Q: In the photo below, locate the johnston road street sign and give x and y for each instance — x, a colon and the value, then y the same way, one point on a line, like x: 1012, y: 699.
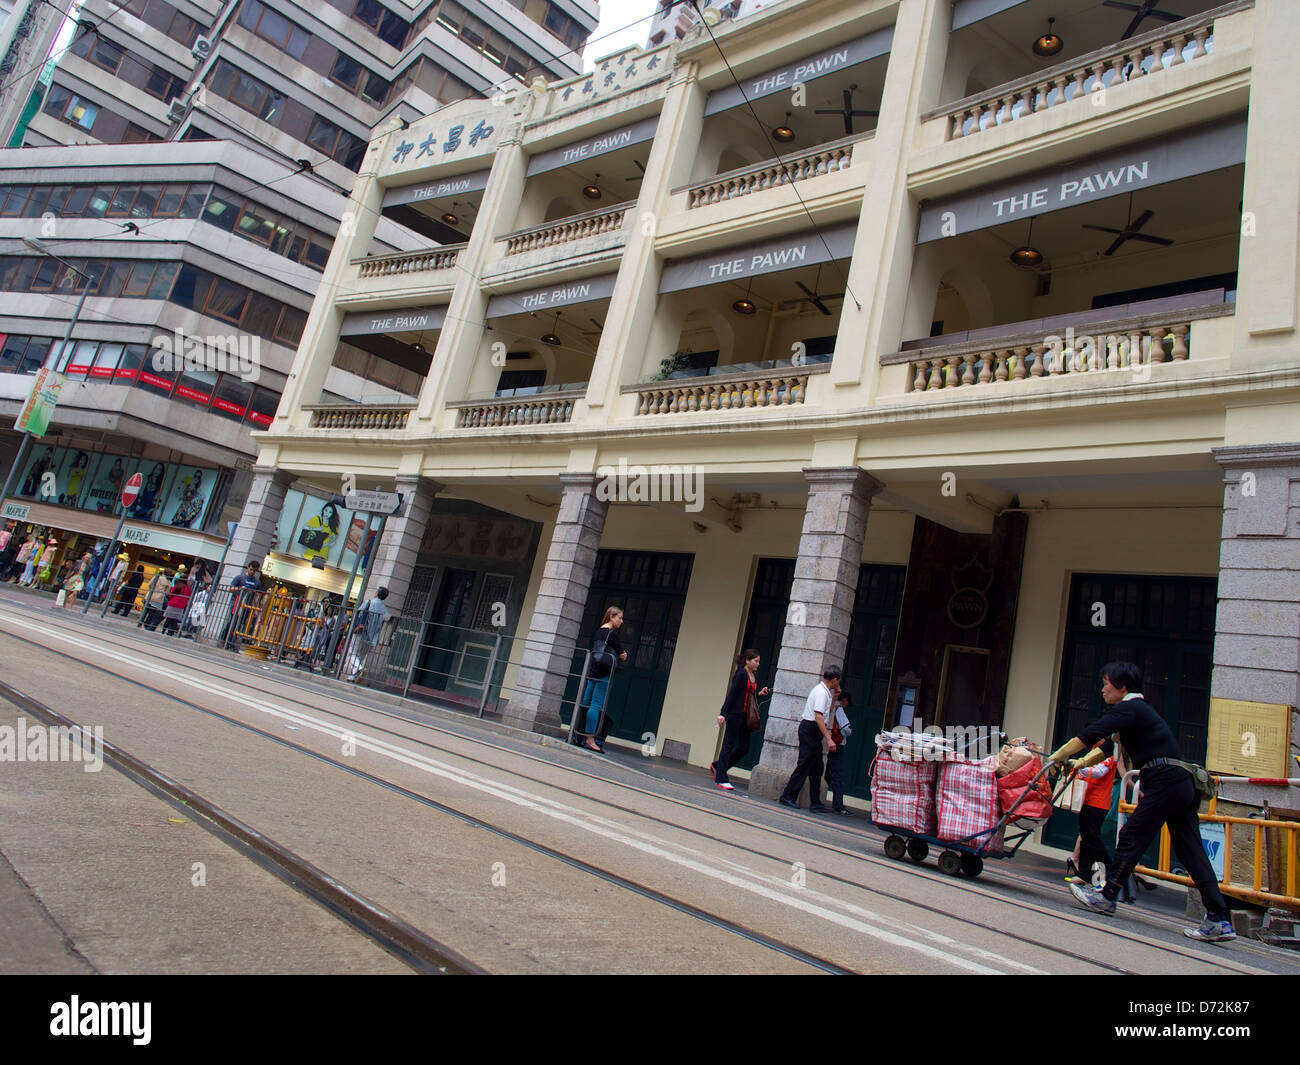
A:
x: 374, y: 502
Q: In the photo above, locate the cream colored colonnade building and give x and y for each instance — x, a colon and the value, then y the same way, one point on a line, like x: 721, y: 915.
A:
x: 862, y: 334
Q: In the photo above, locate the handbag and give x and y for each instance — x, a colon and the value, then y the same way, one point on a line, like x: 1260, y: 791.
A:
x: 753, y: 721
x: 312, y: 539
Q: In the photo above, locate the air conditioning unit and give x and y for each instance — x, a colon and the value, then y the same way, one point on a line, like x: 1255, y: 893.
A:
x: 177, y: 112
x: 202, y: 48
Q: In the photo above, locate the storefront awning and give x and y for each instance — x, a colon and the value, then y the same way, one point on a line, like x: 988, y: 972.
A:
x: 459, y: 185
x: 804, y: 70
x: 1115, y: 173
x: 67, y: 519
x: 602, y: 144
x: 772, y: 256
x: 177, y: 541
x: 411, y: 320
x: 545, y: 299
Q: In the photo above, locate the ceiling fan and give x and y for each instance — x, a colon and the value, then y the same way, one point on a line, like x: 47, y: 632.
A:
x: 637, y: 177
x: 849, y: 111
x: 1130, y: 230
x: 1145, y: 10
x: 815, y: 297
x: 593, y: 332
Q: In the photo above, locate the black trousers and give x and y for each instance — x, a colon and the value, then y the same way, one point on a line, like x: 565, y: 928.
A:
x: 810, y: 764
x: 735, y: 745
x: 1168, y: 797
x: 1092, y: 848
x: 835, y: 777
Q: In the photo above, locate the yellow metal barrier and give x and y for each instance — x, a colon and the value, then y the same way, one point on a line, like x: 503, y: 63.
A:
x: 1255, y: 893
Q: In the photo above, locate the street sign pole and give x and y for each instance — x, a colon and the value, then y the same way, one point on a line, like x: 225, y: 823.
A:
x: 129, y: 491
x: 343, y: 610
x: 230, y: 538
x: 103, y: 576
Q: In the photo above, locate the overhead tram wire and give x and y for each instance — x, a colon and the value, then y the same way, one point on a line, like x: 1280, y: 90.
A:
x: 88, y: 27
x: 792, y: 184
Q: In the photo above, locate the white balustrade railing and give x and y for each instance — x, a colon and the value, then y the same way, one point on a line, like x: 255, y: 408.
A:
x: 1133, y: 345
x: 566, y: 230
x: 1154, y: 52
x: 773, y: 388
x: 359, y: 416
x: 824, y: 159
x: 410, y: 262
x: 553, y: 409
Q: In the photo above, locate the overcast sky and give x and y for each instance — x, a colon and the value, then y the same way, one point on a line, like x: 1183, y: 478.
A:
x: 614, y: 32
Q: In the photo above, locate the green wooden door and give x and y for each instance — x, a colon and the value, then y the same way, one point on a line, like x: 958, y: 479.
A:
x: 650, y: 588
x: 443, y: 634
x: 764, y: 628
x: 1163, y: 624
x: 868, y: 663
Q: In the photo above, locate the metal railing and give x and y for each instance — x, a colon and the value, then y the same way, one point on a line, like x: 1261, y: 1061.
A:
x: 1285, y: 834
x: 462, y: 666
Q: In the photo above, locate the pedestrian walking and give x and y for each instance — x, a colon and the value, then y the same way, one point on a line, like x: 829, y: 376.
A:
x: 127, y: 592
x: 178, y: 602
x: 735, y: 715
x: 606, y: 654
x: 1170, y: 796
x: 812, y: 731
x: 365, y: 633
x: 244, y: 585
x: 840, y: 730
x: 19, y: 564
x: 155, y: 600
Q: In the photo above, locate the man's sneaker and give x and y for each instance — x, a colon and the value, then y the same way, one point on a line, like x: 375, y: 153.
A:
x: 1092, y: 899
x: 1211, y: 931
x: 788, y: 802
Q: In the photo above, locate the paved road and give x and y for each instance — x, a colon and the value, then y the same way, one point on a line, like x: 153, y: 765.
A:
x: 523, y: 857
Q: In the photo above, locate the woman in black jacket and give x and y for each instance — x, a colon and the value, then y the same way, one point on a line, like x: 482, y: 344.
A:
x: 735, y: 743
x: 606, y: 654
x: 127, y: 593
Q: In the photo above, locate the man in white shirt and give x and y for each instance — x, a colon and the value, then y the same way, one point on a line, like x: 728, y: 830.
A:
x: 812, y: 730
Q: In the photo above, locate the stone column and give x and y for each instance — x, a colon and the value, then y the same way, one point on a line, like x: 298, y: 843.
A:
x: 1257, y: 631
x: 257, y: 524
x: 395, y: 555
x: 821, y: 606
x: 553, y: 632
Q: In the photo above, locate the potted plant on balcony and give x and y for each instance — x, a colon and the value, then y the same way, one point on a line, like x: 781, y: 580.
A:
x: 675, y: 363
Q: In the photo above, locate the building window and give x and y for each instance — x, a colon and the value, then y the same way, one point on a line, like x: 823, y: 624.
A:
x: 100, y: 51
x: 338, y: 144
x: 163, y: 85
x: 273, y: 27
x: 387, y: 26
x: 184, y: 29
x: 71, y: 108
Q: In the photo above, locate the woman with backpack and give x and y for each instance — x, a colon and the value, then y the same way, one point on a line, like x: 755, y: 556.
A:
x: 606, y: 654
x: 735, y: 715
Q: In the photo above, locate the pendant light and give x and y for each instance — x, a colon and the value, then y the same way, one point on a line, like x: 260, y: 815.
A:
x: 1027, y: 254
x: 1049, y: 43
x: 553, y: 338
x: 592, y: 191
x: 745, y: 305
x: 783, y: 133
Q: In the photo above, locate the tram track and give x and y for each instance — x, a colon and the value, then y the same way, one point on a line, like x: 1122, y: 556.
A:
x: 423, y: 953
x: 199, y: 664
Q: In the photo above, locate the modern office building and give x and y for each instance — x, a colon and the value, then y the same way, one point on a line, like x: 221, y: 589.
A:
x: 213, y: 144
x: 295, y: 81
x: 954, y: 343
x: 206, y: 250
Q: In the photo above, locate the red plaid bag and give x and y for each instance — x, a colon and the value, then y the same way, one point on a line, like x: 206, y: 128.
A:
x: 902, y: 794
x: 968, y: 801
